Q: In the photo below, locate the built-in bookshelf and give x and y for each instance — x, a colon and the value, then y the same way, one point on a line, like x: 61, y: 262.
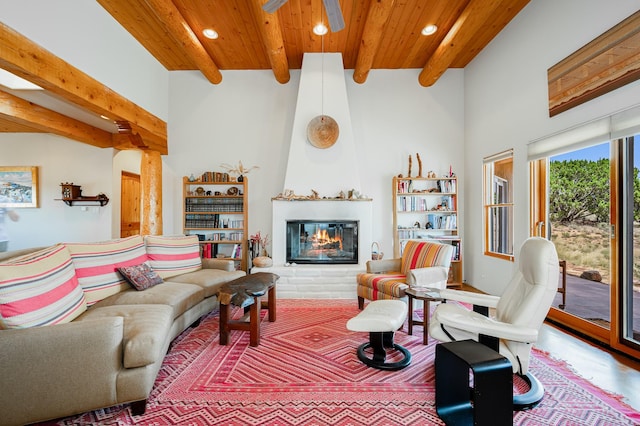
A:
x: 215, y: 209
x: 427, y: 209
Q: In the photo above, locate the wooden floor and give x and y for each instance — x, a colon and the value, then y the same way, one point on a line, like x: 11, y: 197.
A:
x: 608, y: 370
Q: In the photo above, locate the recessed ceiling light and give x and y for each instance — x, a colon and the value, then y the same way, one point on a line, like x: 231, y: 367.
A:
x: 209, y: 33
x: 320, y: 29
x: 429, y: 29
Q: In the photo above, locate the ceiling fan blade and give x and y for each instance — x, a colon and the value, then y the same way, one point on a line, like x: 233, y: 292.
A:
x: 273, y: 5
x: 334, y: 14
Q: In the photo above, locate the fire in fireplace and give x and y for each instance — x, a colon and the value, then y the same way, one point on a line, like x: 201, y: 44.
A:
x: 322, y: 241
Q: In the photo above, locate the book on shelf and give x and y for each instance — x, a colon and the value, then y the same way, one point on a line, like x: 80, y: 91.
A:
x: 214, y: 177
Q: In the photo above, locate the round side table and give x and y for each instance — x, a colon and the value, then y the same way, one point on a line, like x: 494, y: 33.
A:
x: 426, y: 295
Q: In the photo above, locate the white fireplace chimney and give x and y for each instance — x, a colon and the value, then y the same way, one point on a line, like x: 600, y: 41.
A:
x: 322, y: 91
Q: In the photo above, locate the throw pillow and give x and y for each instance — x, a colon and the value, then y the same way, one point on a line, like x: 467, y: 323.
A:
x: 96, y: 265
x: 173, y: 255
x: 40, y: 288
x: 141, y: 277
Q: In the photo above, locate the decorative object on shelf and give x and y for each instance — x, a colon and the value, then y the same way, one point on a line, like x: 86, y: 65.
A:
x: 192, y: 178
x: 18, y: 186
x: 200, y: 191
x: 290, y: 195
x: 72, y: 194
x: 409, y: 172
x: 70, y: 191
x: 239, y: 170
x: 260, y: 243
x: 262, y: 262
x: 323, y: 131
x: 376, y: 254
x: 232, y: 191
x: 419, y: 165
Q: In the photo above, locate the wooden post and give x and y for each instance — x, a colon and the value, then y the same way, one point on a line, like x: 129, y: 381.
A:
x: 151, y: 192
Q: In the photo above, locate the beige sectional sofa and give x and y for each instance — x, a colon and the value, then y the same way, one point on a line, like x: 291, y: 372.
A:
x: 76, y: 336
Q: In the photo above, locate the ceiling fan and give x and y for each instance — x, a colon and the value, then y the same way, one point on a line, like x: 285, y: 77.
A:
x: 334, y: 14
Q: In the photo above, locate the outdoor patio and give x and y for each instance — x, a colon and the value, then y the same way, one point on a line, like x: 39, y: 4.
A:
x: 590, y: 300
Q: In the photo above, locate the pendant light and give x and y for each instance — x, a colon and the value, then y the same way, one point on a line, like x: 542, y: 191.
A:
x: 322, y: 130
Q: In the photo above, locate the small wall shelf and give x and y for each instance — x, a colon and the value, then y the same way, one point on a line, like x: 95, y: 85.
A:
x: 101, y: 200
x: 72, y: 194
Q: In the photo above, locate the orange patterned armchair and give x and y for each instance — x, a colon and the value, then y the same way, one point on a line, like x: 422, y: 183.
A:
x: 423, y: 264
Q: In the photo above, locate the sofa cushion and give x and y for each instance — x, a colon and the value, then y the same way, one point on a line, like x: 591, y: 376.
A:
x: 141, y: 277
x: 146, y: 329
x: 173, y: 255
x: 180, y: 297
x: 97, y: 263
x: 40, y: 288
x: 209, y: 279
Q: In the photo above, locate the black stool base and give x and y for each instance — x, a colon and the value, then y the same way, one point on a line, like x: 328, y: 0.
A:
x: 379, y: 341
x: 533, y: 397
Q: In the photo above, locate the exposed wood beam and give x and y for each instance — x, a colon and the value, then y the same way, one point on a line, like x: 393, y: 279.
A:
x: 9, y: 126
x: 472, y: 20
x: 25, y: 113
x: 608, y: 62
x: 180, y: 30
x: 136, y: 137
x: 30, y: 61
x: 379, y: 12
x: 269, y: 27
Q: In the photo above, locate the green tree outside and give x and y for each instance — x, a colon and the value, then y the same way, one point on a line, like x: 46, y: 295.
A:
x: 579, y: 191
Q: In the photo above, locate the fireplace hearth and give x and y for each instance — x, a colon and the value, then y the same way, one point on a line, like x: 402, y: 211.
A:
x: 322, y: 242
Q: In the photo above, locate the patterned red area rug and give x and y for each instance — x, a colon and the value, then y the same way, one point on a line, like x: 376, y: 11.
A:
x: 305, y: 372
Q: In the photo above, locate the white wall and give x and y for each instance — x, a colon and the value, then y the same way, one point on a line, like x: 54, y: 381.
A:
x: 59, y: 160
x: 249, y: 118
x: 506, y: 106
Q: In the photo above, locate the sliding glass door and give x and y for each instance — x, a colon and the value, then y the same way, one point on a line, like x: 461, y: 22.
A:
x: 629, y: 292
x: 579, y: 217
x: 587, y: 201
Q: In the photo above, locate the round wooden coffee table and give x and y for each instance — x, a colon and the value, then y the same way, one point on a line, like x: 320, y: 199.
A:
x: 426, y: 295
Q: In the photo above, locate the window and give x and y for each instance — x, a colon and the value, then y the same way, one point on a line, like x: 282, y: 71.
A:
x: 498, y: 205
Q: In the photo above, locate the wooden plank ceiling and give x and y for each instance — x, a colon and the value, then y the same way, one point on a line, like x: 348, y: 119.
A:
x: 378, y: 34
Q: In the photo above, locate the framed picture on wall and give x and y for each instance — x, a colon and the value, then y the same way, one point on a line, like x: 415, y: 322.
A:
x: 18, y: 186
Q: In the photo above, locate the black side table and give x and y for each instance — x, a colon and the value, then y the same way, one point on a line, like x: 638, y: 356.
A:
x: 490, y: 401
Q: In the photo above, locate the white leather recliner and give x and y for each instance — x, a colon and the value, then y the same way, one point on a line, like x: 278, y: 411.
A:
x: 519, y: 313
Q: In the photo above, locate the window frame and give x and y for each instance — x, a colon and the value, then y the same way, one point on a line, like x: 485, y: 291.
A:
x: 490, y: 203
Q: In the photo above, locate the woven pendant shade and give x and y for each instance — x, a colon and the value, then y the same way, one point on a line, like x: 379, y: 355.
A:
x: 323, y: 131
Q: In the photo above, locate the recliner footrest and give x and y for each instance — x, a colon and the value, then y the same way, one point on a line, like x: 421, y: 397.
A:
x: 381, y: 318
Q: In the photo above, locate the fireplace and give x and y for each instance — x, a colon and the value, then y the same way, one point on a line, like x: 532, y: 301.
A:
x: 322, y: 241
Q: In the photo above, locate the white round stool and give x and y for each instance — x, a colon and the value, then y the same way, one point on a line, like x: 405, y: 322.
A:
x: 381, y: 318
